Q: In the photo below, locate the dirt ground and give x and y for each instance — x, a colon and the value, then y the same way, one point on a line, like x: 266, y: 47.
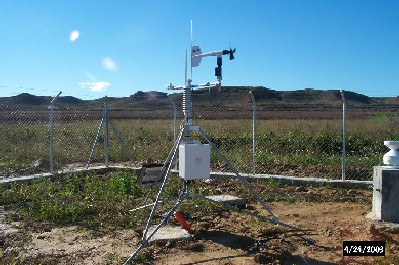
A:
x: 326, y: 216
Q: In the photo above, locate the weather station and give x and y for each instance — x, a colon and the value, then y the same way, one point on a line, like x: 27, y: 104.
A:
x: 193, y: 156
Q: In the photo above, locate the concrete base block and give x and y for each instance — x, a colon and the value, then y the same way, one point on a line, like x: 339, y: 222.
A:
x: 169, y: 233
x: 386, y: 194
x: 229, y: 199
x: 382, y: 225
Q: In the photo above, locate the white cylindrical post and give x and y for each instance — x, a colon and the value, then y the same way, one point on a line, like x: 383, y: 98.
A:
x: 392, y: 157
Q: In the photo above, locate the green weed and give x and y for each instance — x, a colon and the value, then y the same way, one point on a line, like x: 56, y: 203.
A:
x: 92, y: 200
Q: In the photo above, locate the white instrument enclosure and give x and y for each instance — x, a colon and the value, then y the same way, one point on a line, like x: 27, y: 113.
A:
x: 194, y: 160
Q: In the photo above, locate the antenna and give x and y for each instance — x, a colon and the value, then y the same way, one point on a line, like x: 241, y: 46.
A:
x: 191, y: 49
x: 185, y: 70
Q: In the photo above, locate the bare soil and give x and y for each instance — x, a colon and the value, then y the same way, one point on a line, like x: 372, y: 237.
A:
x: 327, y: 216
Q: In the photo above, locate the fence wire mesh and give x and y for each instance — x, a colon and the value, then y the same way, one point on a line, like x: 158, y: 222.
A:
x: 24, y: 140
x: 367, y: 129
x: 74, y: 134
x: 297, y: 140
x: 300, y: 141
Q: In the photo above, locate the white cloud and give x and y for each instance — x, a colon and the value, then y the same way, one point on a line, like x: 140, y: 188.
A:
x: 109, y: 64
x: 95, y: 86
x: 74, y: 35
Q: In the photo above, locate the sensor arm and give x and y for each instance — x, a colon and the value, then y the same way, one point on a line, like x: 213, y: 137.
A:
x: 216, y: 53
x: 173, y: 87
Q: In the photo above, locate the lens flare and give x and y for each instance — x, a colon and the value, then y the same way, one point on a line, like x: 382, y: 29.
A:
x: 74, y: 35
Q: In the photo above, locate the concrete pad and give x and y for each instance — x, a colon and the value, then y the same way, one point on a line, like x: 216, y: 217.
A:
x: 291, y: 180
x: 169, y: 233
x: 229, y: 199
x: 381, y: 224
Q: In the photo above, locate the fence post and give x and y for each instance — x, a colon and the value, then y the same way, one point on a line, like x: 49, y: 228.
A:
x: 106, y: 132
x: 253, y: 133
x: 52, y: 132
x: 343, y: 173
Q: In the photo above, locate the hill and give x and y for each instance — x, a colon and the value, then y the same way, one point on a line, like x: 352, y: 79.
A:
x: 232, y: 96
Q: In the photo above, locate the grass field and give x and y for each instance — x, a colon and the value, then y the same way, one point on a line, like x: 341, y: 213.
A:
x: 309, y: 147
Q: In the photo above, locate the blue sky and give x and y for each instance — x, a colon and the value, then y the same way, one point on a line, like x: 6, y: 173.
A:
x: 89, y: 49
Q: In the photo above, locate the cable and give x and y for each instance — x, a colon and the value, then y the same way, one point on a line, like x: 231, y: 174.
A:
x: 222, y: 97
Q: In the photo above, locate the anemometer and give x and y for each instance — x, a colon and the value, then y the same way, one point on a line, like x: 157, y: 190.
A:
x: 196, y: 56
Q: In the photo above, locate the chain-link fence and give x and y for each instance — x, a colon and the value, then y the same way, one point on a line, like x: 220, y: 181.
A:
x: 367, y: 129
x: 24, y: 140
x: 324, y: 141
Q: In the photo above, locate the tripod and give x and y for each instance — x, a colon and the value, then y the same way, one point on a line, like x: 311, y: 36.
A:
x: 185, y: 133
x: 104, y: 124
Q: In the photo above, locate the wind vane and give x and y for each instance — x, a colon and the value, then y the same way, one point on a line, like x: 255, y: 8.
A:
x: 196, y: 57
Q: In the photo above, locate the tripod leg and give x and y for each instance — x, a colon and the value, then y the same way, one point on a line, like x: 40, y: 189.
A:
x: 169, y: 214
x: 133, y: 255
x: 164, y: 220
x: 168, y: 163
x: 95, y: 141
x: 234, y: 208
x: 273, y: 219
